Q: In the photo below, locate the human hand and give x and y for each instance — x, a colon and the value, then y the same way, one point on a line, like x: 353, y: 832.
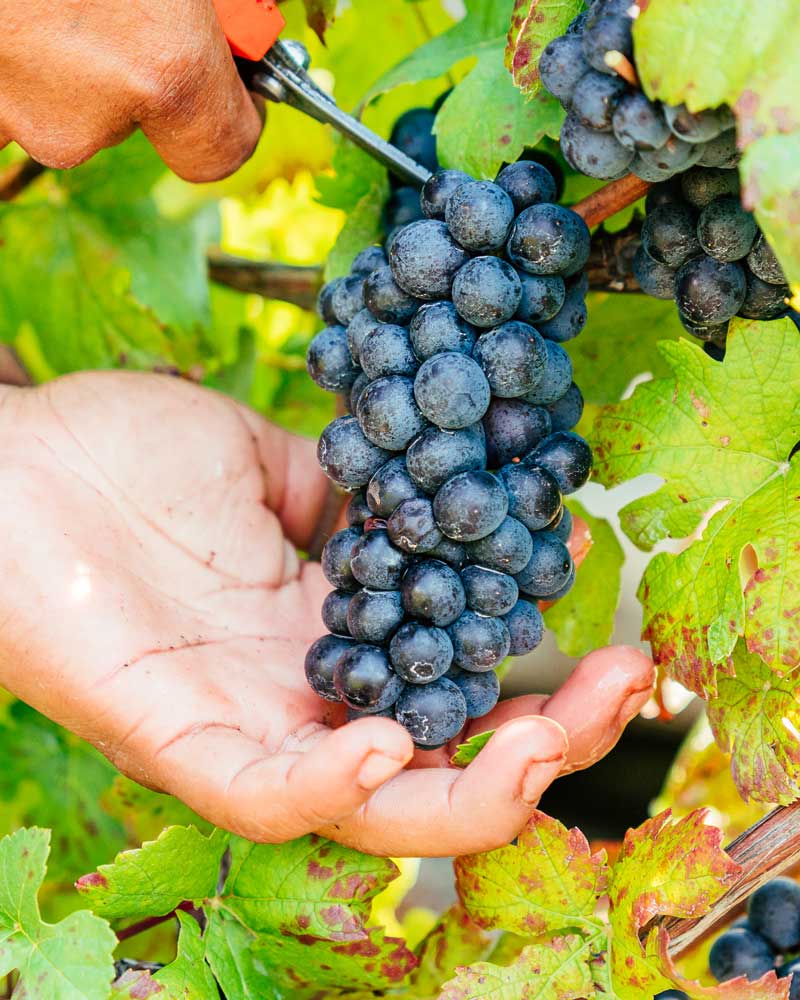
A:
x: 77, y: 77
x: 151, y: 600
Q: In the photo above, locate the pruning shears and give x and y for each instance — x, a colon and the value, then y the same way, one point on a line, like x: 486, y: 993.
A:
x: 278, y: 71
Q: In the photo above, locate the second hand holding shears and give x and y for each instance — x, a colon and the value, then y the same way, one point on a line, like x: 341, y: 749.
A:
x: 278, y: 71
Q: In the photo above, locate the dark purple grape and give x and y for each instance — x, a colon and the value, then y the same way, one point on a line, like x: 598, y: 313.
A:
x: 329, y: 362
x: 562, y: 526
x: 386, y: 350
x: 487, y: 291
x: 561, y: 65
x: 438, y: 328
x: 325, y: 302
x: 453, y: 553
x: 334, y: 612
x: 364, y: 679
x: 389, y: 487
x: 525, y: 627
x: 569, y: 321
x: 376, y: 563
x: 654, y: 278
x: 773, y: 912
x: 604, y: 34
x: 433, y: 714
x: 549, y: 239
x: 706, y: 332
x: 452, y: 390
x: 357, y: 510
x: 595, y: 99
x: 639, y: 123
x: 347, y: 456
x: 412, y: 527
x: 470, y: 505
x: 764, y: 264
x: 709, y: 292
x: 425, y: 258
x: 557, y: 377
x: 699, y: 126
x: 348, y: 298
x: 673, y: 156
x: 489, y: 592
x: 359, y: 326
x: 725, y: 230
x: 374, y: 615
x: 438, y: 190
x: 701, y: 185
x: 336, y: 556
x: 549, y: 567
x: 433, y: 593
x: 479, y: 215
x: 721, y: 151
x: 527, y: 183
x: 369, y: 260
x: 596, y: 154
x: 507, y: 549
x: 513, y: 358
x: 513, y: 428
x: 669, y: 235
x: 386, y: 300
x: 320, y: 664
x: 437, y: 454
x: 402, y: 208
x: 480, y: 643
x: 413, y: 134
x: 388, y: 413
x: 566, y: 412
x: 567, y: 457
x: 740, y: 952
x: 763, y: 300
x: 481, y: 691
x: 420, y: 654
x: 542, y: 297
x: 534, y: 497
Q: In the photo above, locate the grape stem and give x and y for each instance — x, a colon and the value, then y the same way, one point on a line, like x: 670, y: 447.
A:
x: 287, y: 282
x: 610, y: 199
x: 14, y: 179
x: 149, y: 922
x: 622, y: 66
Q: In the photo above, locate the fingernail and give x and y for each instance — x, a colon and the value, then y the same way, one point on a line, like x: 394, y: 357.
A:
x: 551, y: 752
x: 633, y: 704
x: 376, y: 769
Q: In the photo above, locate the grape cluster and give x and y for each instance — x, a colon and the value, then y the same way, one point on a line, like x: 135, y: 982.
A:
x: 611, y: 127
x: 446, y: 349
x: 700, y: 247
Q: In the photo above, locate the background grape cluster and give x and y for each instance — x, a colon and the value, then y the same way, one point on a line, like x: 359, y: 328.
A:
x: 445, y: 347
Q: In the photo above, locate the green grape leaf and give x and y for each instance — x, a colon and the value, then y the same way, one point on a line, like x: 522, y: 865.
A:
x: 71, y: 960
x: 467, y: 752
x: 155, y: 879
x: 755, y: 717
x: 52, y: 777
x: 454, y: 941
x: 583, y: 619
x: 145, y: 813
x: 619, y: 343
x: 686, y: 53
x: 301, y: 910
x: 238, y: 972
x: 125, y: 286
x: 188, y: 977
x: 726, y: 463
x: 320, y: 14
x: 534, y: 23
x: 548, y: 881
x: 559, y: 971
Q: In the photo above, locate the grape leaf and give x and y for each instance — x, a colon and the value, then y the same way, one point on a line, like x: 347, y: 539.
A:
x: 71, y: 960
x: 467, y: 752
x: 725, y: 460
x: 301, y: 910
x: 534, y: 23
x: 188, y: 977
x: 153, y: 880
x: 145, y: 813
x: 755, y: 716
x: 557, y: 972
x: 454, y: 941
x: 583, y: 619
x: 548, y: 881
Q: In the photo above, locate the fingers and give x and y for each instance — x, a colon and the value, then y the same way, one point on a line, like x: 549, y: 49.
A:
x: 232, y: 780
x: 442, y: 811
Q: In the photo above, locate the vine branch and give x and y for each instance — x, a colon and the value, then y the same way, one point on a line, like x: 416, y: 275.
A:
x: 149, y: 922
x: 610, y: 199
x: 287, y: 282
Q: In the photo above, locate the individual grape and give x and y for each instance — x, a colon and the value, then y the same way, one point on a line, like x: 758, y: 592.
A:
x: 488, y: 591
x: 699, y: 126
x: 549, y: 567
x: 595, y: 99
x: 561, y: 65
x: 649, y: 171
x: 376, y: 563
x: 336, y: 559
x: 369, y: 260
x: 704, y: 331
x: 701, y: 185
x: 654, y: 278
x: 386, y: 300
x: 375, y: 615
x: 638, y: 123
x: 578, y: 283
x: 534, y: 497
x: 329, y: 362
x: 387, y: 350
x: 346, y: 456
x: 764, y: 264
x: 437, y: 328
x: 479, y: 643
x: 438, y: 190
x: 791, y: 969
x: 763, y: 300
x: 479, y: 215
x: 359, y: 326
x: 721, y: 151
x: 388, y: 413
x: 569, y: 321
x: 740, y: 952
x: 714, y: 350
x: 557, y: 376
x: 725, y: 230
x: 412, y: 526
x: 334, y: 611
x: 348, y: 298
x: 432, y: 592
x: 481, y: 691
x: 773, y: 912
x: 527, y: 183
x: 507, y: 549
x: 320, y: 663
x: 566, y: 412
x: 513, y: 358
x: 364, y: 679
x: 425, y: 258
x: 567, y: 457
x: 357, y: 510
x: 453, y: 553
x: 413, y: 134
x: 549, y: 239
x: 525, y: 627
x: 437, y: 454
x: 470, y: 505
x: 562, y: 527
x: 513, y: 428
x: 553, y: 166
x: 432, y: 713
x: 452, y: 390
x: 675, y: 155
x: 671, y: 995
x: 665, y: 193
x: 420, y: 654
x: 709, y: 292
x: 608, y: 33
x: 542, y: 297
x: 487, y: 291
x: 325, y: 302
x: 606, y: 8
x: 389, y: 487
x: 401, y: 209
x: 557, y: 594
x: 669, y: 235
x: 596, y: 154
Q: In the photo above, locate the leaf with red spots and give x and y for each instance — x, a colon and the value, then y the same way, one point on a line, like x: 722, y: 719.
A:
x: 534, y: 23
x: 720, y: 437
x: 558, y: 971
x: 456, y: 940
x: 548, y: 881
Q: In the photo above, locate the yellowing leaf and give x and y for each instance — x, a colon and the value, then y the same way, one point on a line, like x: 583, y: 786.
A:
x: 534, y: 23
